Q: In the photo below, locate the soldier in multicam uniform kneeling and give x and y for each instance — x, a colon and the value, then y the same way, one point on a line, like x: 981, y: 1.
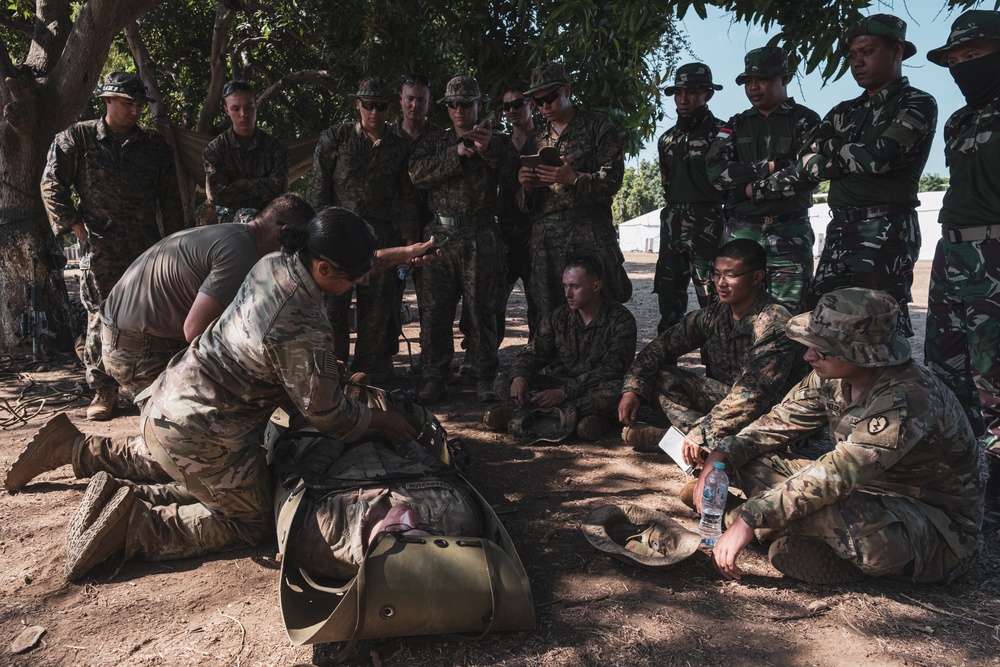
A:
x: 901, y: 493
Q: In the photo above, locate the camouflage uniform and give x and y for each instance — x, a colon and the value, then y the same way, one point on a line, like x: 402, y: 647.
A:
x: 963, y: 305
x: 370, y: 179
x: 587, y: 362
x: 120, y: 187
x: 576, y: 219
x: 202, y: 427
x: 747, y: 362
x: 244, y: 178
x: 740, y: 156
x: 463, y: 194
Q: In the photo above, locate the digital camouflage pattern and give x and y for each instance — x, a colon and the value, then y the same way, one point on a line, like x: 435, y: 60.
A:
x: 691, y: 222
x: 901, y: 494
x: 973, y: 24
x: 576, y: 219
x: 118, y: 188
x: 692, y: 75
x: 963, y: 304
x: 587, y: 362
x: 873, y: 151
x: 765, y: 62
x: 238, y: 178
x: 751, y: 356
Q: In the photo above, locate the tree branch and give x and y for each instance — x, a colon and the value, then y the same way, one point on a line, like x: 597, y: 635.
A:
x: 220, y: 38
x: 7, y: 68
x: 17, y: 24
x: 53, y: 23
x: 317, y: 77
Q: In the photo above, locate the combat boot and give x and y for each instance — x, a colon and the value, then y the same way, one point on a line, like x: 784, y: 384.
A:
x: 643, y: 437
x: 51, y: 447
x: 105, y: 536
x: 498, y: 416
x: 103, y: 406
x: 485, y: 391
x: 811, y: 560
x: 99, y: 491
x: 431, y: 392
x: 686, y: 494
x: 592, y: 428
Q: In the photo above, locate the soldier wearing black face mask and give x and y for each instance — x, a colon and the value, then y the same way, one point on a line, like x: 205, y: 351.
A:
x: 963, y: 308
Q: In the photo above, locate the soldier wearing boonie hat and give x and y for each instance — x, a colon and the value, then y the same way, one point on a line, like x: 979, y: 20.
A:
x: 691, y: 221
x: 873, y: 150
x: 362, y: 166
x: 900, y: 494
x: 107, y: 180
x: 963, y: 305
x: 750, y: 147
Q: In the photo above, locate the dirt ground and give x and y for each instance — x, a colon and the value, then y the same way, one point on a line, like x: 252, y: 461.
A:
x: 591, y: 610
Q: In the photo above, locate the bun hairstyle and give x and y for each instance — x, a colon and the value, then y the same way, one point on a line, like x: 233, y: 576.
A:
x: 333, y: 234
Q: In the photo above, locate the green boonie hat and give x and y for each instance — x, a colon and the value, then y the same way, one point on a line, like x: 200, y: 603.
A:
x: 531, y: 424
x: 638, y: 536
x: 974, y: 24
x: 692, y: 75
x: 373, y: 88
x: 124, y: 84
x: 767, y: 61
x: 854, y: 324
x: 880, y: 25
x: 545, y: 76
x: 461, y: 89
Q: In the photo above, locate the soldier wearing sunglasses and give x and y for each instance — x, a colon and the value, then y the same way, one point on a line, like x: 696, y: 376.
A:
x: 361, y: 166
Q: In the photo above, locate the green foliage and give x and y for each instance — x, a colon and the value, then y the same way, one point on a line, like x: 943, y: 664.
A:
x: 932, y: 183
x: 641, y: 193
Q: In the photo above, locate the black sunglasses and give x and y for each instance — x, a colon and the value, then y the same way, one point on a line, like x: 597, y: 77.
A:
x: 378, y: 106
x: 515, y: 104
x: 548, y: 99
x: 465, y: 104
x: 418, y: 79
x: 233, y: 86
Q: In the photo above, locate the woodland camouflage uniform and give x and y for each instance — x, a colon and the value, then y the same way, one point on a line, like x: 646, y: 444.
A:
x: 238, y: 178
x: 778, y: 220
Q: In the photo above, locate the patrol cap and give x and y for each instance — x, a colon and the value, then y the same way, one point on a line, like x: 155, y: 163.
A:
x: 545, y: 76
x: 461, y: 89
x: 692, y: 75
x: 854, y: 324
x: 880, y: 25
x: 638, y: 536
x: 533, y: 424
x: 974, y: 24
x: 767, y: 61
x: 124, y: 84
x: 373, y: 88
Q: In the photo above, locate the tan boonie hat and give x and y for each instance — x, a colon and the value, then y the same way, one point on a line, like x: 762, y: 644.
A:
x: 373, y: 88
x: 854, y: 324
x: 692, y: 75
x: 545, y: 76
x: 638, y: 536
x: 124, y: 84
x: 461, y: 89
x: 532, y: 424
x: 975, y: 24
x: 880, y: 25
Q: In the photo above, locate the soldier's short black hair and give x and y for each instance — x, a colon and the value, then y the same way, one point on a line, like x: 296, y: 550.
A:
x: 591, y: 264
x: 288, y: 209
x: 750, y: 253
x: 515, y: 86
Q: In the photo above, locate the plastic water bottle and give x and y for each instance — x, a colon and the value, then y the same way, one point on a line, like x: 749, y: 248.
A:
x: 713, y: 504
x: 404, y: 270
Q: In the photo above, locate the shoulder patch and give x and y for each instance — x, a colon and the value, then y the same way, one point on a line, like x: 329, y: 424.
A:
x: 880, y: 430
x: 877, y: 424
x: 326, y: 362
x: 724, y: 133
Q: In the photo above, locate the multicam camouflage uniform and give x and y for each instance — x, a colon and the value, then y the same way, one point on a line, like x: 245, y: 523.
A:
x: 576, y: 219
x: 463, y: 194
x: 747, y: 363
x: 873, y: 151
x: 740, y: 156
x: 202, y: 427
x: 238, y: 177
x: 585, y: 361
x: 120, y: 187
x: 900, y: 495
x: 691, y: 222
x: 371, y: 180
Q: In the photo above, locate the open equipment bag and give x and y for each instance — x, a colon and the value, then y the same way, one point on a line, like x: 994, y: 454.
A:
x: 406, y: 585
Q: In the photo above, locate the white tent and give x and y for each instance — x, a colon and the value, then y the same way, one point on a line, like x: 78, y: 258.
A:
x: 641, y: 234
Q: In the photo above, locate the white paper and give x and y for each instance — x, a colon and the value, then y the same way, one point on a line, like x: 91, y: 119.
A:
x: 671, y: 443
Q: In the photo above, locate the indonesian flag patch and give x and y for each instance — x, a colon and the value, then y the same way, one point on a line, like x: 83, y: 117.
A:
x: 724, y: 133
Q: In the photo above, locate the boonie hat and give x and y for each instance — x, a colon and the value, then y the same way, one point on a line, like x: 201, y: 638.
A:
x: 545, y: 76
x: 638, y: 536
x: 880, y: 25
x: 767, y: 61
x: 124, y: 84
x: 854, y: 324
x: 533, y: 424
x: 461, y: 89
x: 692, y: 75
x: 974, y: 24
x: 373, y: 88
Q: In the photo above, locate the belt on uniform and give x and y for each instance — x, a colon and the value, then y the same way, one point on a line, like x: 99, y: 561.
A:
x: 859, y: 213
x: 967, y: 234
x: 577, y: 213
x: 138, y: 342
x: 461, y: 221
x: 693, y: 206
x: 765, y: 220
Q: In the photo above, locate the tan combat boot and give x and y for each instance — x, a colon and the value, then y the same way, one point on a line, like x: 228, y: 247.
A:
x: 643, y: 437
x: 811, y: 560
x: 103, y: 406
x: 593, y: 427
x: 106, y: 534
x: 50, y: 448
